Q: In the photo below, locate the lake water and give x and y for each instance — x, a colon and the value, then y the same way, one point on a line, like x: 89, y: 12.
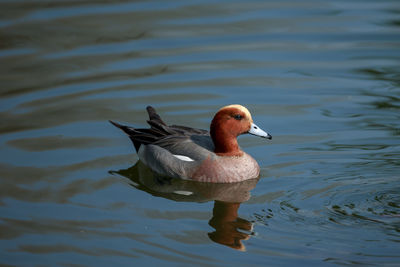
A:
x: 323, y: 77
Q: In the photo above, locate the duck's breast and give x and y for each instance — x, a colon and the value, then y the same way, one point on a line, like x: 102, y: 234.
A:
x: 219, y: 169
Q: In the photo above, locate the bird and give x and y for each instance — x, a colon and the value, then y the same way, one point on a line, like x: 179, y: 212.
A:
x: 195, y: 154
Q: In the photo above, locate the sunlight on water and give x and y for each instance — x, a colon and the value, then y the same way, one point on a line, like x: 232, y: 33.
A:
x: 322, y: 77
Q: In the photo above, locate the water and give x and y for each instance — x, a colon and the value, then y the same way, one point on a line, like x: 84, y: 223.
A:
x: 321, y: 76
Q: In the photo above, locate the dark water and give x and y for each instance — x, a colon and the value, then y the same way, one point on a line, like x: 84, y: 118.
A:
x: 323, y: 77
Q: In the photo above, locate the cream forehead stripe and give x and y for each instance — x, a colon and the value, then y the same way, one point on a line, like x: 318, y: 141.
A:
x: 241, y: 108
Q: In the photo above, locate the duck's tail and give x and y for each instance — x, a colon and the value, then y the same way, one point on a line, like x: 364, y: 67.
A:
x: 158, y: 130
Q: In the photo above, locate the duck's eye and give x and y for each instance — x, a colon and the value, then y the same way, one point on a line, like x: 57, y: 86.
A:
x: 238, y: 117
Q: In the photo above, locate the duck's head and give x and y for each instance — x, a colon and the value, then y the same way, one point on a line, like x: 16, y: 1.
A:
x: 230, y: 122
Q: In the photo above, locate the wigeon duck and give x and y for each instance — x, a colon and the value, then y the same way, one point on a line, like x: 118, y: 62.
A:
x: 196, y: 154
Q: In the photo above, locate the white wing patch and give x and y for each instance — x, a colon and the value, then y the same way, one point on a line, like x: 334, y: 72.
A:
x: 184, y: 158
x: 184, y: 193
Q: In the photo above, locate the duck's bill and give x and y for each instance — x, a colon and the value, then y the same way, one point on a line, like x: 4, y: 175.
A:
x: 255, y: 130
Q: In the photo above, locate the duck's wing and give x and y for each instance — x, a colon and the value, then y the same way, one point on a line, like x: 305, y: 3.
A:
x: 177, y: 155
x: 195, y: 147
x: 175, y: 138
x: 188, y: 130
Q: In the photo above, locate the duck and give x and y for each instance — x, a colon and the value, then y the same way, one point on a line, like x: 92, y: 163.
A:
x: 195, y: 154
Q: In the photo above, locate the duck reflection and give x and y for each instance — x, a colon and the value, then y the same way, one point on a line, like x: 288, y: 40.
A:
x: 227, y: 224
x: 230, y: 230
